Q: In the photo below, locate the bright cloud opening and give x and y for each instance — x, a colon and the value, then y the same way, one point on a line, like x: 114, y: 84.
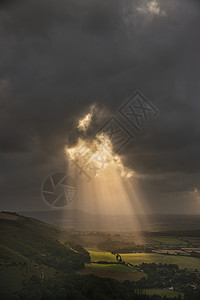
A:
x: 96, y: 155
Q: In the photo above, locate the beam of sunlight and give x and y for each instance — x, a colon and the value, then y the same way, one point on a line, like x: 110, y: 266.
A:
x: 112, y: 189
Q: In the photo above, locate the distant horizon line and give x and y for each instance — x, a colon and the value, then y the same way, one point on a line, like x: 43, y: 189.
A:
x: 100, y: 214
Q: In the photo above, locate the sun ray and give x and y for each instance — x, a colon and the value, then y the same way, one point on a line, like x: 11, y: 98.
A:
x: 109, y: 188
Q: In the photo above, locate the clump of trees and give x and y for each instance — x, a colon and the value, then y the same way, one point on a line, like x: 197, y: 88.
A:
x: 76, y: 287
x: 122, y: 246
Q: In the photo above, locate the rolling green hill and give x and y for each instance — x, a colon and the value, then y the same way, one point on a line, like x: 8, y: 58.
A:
x: 39, y: 261
x: 29, y: 247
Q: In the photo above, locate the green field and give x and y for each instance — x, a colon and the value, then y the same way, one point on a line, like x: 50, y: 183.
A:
x: 101, y: 256
x: 181, y: 261
x: 169, y: 241
x: 162, y: 292
x: 116, y: 271
x: 138, y: 258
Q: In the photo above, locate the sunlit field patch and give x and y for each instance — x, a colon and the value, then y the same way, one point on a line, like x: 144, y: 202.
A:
x: 181, y: 261
x: 102, y: 256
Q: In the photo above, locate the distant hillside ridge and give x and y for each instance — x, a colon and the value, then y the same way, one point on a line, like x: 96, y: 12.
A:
x: 75, y: 219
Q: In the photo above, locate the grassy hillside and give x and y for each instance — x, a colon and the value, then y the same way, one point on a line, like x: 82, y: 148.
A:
x: 16, y: 268
x: 31, y: 248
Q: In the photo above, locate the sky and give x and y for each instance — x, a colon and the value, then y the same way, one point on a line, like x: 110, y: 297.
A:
x: 58, y: 58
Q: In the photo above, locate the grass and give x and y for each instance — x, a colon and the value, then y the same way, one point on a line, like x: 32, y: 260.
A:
x: 115, y: 271
x: 30, y: 247
x: 109, y: 267
x: 181, y: 261
x: 169, y: 241
x: 138, y: 258
x: 101, y: 256
x: 15, y: 268
x: 162, y: 292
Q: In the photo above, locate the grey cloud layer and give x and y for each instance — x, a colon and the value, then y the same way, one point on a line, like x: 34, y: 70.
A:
x: 58, y: 57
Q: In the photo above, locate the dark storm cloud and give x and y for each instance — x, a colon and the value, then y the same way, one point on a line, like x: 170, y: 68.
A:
x: 59, y: 57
